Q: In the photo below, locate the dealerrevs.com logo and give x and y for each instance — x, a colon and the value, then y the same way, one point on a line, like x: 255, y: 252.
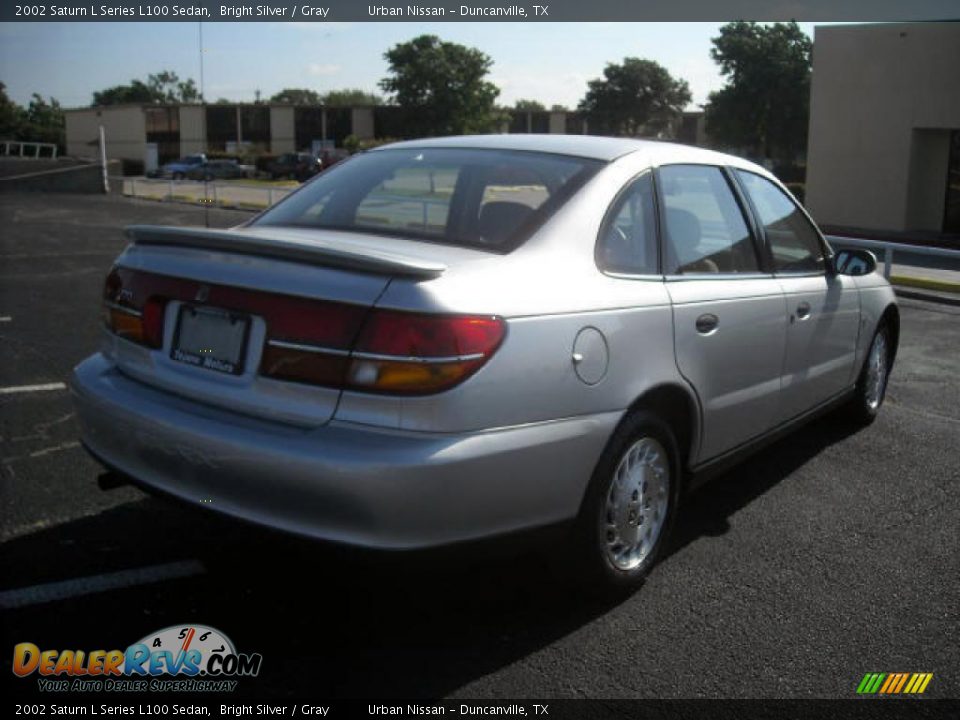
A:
x: 188, y: 658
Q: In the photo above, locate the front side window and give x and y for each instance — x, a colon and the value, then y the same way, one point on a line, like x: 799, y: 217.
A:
x: 705, y: 230
x: 628, y: 239
x: 793, y: 241
x: 489, y: 199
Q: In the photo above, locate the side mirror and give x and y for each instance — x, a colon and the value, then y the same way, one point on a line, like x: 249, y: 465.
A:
x: 854, y: 261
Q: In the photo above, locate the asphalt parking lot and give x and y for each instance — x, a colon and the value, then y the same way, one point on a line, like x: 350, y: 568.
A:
x: 831, y: 554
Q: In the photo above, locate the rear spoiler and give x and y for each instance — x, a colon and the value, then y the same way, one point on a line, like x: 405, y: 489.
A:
x: 316, y: 252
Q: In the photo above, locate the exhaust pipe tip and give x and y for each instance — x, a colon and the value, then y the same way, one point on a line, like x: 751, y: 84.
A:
x: 111, y: 481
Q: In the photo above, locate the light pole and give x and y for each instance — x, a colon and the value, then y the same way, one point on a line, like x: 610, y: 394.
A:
x: 203, y: 125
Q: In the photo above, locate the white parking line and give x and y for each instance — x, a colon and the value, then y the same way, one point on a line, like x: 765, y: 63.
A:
x: 45, y: 387
x: 6, y: 318
x: 63, y: 590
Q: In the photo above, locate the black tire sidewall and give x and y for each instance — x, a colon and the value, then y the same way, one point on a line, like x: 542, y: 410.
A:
x: 862, y: 410
x: 595, y: 567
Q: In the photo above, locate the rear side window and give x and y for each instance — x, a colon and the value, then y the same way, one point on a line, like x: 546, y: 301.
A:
x: 628, y: 239
x: 704, y: 226
x: 489, y: 199
x: 793, y: 241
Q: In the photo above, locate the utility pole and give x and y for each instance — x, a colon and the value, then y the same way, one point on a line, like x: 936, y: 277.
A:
x: 203, y: 125
x: 103, y: 161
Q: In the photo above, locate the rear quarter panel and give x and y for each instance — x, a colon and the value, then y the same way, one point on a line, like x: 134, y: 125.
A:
x: 548, y: 290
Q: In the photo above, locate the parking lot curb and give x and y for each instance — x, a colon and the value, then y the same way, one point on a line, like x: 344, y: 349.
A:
x: 943, y: 286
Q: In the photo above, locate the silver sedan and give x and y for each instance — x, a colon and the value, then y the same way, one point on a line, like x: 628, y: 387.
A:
x: 456, y: 338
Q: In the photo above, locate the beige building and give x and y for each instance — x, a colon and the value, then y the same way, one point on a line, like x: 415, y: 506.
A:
x: 145, y: 136
x: 884, y: 147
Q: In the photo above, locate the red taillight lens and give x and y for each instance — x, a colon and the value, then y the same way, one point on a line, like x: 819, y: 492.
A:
x: 128, y: 313
x: 407, y: 353
x: 387, y: 332
x: 315, y: 341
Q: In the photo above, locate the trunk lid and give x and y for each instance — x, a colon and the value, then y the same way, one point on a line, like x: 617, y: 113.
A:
x: 292, y: 287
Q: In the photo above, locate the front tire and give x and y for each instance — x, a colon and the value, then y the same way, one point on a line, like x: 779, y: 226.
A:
x: 630, y: 505
x: 872, y: 384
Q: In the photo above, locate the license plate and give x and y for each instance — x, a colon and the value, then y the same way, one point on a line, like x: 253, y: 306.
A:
x: 210, y: 338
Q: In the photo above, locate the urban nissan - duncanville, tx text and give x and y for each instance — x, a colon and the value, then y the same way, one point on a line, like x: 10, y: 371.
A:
x: 450, y: 339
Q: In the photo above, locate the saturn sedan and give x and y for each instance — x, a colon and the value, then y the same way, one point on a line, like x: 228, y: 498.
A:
x: 452, y: 339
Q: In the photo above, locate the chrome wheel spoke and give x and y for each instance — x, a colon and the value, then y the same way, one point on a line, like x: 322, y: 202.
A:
x: 636, y: 503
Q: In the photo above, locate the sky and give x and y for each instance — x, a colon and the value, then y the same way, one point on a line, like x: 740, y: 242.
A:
x: 548, y: 62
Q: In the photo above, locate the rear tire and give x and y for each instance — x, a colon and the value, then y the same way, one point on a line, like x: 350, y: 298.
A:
x: 872, y: 384
x: 629, y: 507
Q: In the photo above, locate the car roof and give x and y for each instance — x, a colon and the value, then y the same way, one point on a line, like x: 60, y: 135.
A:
x: 595, y: 147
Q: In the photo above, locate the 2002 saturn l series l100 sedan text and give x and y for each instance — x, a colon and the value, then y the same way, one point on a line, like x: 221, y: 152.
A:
x: 450, y: 339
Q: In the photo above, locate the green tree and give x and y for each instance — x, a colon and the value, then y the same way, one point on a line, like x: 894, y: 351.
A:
x: 529, y: 106
x: 765, y: 105
x: 349, y: 97
x: 162, y: 87
x: 41, y: 121
x: 12, y: 117
x: 442, y: 87
x: 635, y: 97
x: 297, y: 96
x: 45, y: 121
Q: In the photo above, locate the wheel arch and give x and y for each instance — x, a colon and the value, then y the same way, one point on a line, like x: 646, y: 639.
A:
x: 891, y: 318
x: 679, y: 408
x: 675, y: 405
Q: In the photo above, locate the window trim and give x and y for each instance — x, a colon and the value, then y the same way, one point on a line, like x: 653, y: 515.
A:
x: 609, y: 217
x: 767, y: 249
x: 761, y: 272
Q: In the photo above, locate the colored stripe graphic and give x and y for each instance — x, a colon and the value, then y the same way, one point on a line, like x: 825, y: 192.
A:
x: 894, y: 683
x: 903, y: 680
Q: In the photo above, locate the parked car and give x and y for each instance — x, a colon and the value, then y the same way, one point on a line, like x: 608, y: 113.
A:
x: 178, y: 169
x: 297, y: 166
x: 219, y: 169
x: 329, y: 158
x: 451, y: 339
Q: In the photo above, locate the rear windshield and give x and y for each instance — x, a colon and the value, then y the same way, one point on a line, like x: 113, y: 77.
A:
x: 489, y: 199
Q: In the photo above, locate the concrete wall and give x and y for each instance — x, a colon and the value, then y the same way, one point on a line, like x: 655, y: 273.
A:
x: 362, y: 118
x: 558, y: 123
x: 283, y: 137
x: 125, y: 129
x: 878, y: 92
x: 192, y: 129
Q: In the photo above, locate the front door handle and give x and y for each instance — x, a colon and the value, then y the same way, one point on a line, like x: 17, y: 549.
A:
x: 707, y: 323
x: 803, y: 310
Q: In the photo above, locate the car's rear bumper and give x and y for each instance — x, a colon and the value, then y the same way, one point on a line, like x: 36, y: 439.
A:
x: 342, y: 482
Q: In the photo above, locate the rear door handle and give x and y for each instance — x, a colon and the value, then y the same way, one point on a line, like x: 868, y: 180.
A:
x: 803, y: 310
x: 707, y: 323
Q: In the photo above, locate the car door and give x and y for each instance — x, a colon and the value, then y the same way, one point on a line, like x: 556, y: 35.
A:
x: 823, y: 309
x: 729, y: 316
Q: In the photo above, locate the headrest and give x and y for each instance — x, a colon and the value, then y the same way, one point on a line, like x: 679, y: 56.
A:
x: 684, y: 228
x: 498, y: 220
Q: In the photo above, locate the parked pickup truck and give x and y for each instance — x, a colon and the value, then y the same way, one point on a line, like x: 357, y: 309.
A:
x: 178, y: 169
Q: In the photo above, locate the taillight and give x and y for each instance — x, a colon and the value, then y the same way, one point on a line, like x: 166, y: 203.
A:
x: 395, y: 352
x: 128, y: 313
x: 318, y: 342
x: 401, y: 352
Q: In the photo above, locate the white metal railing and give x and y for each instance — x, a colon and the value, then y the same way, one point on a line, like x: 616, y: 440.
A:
x: 889, y: 248
x: 203, y: 192
x: 21, y: 146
